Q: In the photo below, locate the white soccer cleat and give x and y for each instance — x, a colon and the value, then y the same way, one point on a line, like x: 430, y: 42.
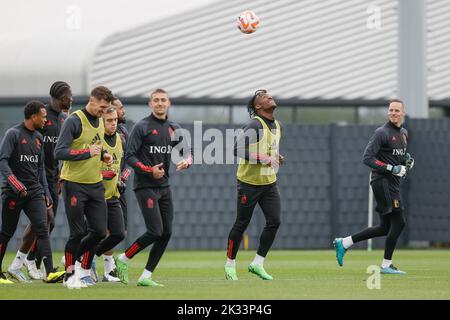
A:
x: 73, y: 282
x: 33, y: 271
x: 110, y: 277
x: 18, y: 275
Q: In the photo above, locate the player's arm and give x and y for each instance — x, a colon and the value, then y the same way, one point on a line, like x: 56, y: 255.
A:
x: 370, y: 155
x: 43, y: 179
x: 125, y: 174
x: 10, y: 141
x: 182, y: 144
x: 71, y: 129
x: 408, y: 160
x: 133, y: 146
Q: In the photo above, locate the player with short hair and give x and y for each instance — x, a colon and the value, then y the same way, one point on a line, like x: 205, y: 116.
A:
x: 110, y: 272
x: 386, y: 155
x: 149, y: 153
x: 112, y: 183
x: 259, y: 160
x: 61, y: 101
x: 80, y: 146
x: 25, y: 188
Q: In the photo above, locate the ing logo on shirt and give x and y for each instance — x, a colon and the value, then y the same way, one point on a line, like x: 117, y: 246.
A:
x: 399, y: 152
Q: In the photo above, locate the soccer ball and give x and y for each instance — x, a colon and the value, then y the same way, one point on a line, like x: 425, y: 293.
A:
x: 247, y: 22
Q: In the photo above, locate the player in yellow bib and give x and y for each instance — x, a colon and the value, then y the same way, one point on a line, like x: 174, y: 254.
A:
x: 81, y: 147
x: 113, y: 185
x: 257, y: 150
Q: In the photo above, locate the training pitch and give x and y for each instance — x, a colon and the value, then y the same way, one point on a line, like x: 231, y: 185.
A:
x: 298, y: 274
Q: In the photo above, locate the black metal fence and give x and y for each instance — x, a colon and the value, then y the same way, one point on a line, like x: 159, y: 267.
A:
x: 324, y: 190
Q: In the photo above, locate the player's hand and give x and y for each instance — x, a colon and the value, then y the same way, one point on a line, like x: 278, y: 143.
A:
x: 409, y: 162
x: 108, y: 159
x: 399, y: 171
x: 48, y: 202
x: 121, y: 186
x: 95, y: 149
x: 183, y: 164
x: 280, y: 159
x: 273, y: 162
x: 23, y: 193
x: 158, y: 171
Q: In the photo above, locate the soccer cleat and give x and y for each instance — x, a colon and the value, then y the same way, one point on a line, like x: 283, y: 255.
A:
x: 55, y: 276
x: 122, y: 270
x: 4, y: 280
x: 391, y: 270
x: 18, y: 275
x: 32, y: 270
x: 148, y: 282
x: 110, y: 277
x: 230, y: 273
x: 72, y: 282
x: 259, y: 271
x: 94, y: 274
x: 340, y: 251
x: 87, y: 280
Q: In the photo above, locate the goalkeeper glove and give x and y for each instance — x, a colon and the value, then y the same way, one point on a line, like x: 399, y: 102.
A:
x: 409, y: 162
x: 399, y: 171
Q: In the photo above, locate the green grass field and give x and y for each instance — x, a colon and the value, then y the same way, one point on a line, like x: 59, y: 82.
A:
x: 297, y: 275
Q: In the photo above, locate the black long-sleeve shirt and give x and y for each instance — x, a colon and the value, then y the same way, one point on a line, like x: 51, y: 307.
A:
x: 251, y: 133
x: 22, y: 161
x: 50, y: 133
x: 124, y: 167
x: 386, y: 149
x: 70, y: 131
x: 151, y: 142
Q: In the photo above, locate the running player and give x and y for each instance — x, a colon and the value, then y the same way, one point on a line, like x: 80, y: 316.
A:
x: 80, y: 147
x: 112, y: 183
x: 149, y: 153
x: 259, y: 160
x: 25, y: 188
x: 386, y: 155
x: 110, y: 272
x: 61, y: 101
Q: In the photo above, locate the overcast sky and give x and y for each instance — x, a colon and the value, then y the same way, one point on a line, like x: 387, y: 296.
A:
x: 84, y: 16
